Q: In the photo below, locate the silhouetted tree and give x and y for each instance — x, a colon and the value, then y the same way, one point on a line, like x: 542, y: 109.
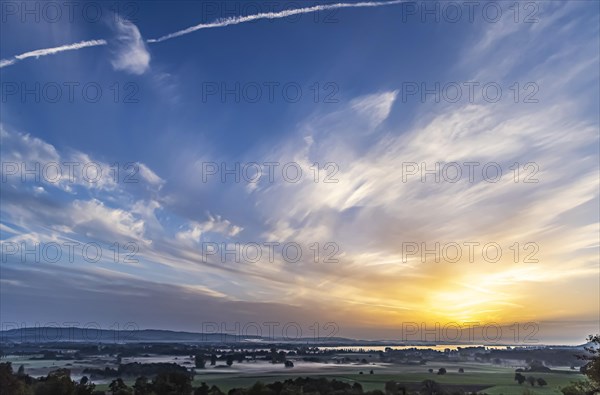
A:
x: 118, y: 387
x: 56, y: 382
x: 430, y: 387
x: 357, y: 388
x: 391, y: 387
x: 592, y: 368
x: 172, y: 383
x: 85, y: 387
x: 9, y: 382
x: 273, y: 355
x: 259, y: 389
x: 142, y: 386
x: 214, y: 390
x: 202, y: 390
x: 281, y: 356
x: 199, y: 361
x: 581, y: 387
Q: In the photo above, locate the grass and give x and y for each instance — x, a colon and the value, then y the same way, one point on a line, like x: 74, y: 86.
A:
x: 498, y: 382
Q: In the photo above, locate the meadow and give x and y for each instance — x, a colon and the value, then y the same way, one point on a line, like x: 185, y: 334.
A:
x: 486, y: 378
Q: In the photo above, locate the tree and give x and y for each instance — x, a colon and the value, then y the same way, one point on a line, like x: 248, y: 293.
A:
x: 199, y: 361
x: 118, y: 387
x: 520, y: 378
x: 531, y: 380
x: 259, y: 389
x: 541, y: 382
x: 56, y: 382
x: 202, y: 390
x: 592, y: 368
x: 214, y: 390
x: 461, y: 370
x: 357, y: 388
x: 21, y: 371
x: 430, y: 387
x: 391, y: 387
x: 441, y: 371
x: 273, y: 355
x: 430, y: 370
x: 281, y: 356
x: 85, y: 387
x: 289, y: 364
x: 172, y: 383
x: 213, y: 360
x: 578, y: 388
x: 371, y: 371
x: 229, y: 360
x: 9, y: 382
x: 142, y: 386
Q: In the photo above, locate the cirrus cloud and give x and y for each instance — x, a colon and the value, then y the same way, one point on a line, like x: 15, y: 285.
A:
x: 129, y: 50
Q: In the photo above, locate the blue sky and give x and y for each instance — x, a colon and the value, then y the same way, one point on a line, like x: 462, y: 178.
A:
x: 365, y: 126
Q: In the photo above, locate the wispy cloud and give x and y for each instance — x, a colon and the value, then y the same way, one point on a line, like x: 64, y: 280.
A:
x: 26, y: 150
x: 375, y: 107
x: 130, y: 52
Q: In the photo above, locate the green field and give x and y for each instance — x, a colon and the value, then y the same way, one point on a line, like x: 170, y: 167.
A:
x: 500, y: 383
x: 499, y: 379
x: 495, y: 378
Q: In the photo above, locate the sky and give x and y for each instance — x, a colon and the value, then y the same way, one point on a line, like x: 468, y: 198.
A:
x: 373, y: 170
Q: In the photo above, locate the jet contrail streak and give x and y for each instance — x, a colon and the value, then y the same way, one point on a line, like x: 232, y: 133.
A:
x: 219, y: 23
x: 272, y: 15
x: 51, y: 51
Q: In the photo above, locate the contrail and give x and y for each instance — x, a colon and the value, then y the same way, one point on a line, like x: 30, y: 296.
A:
x: 272, y: 15
x: 6, y: 62
x: 219, y: 23
x: 51, y: 51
